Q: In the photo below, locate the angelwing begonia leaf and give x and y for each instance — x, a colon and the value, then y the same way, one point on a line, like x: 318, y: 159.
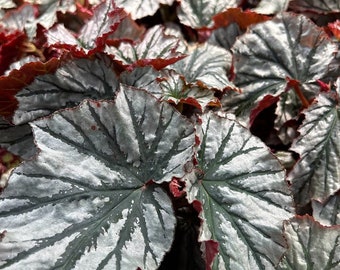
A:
x: 289, y: 47
x: 88, y: 200
x: 324, y: 6
x: 207, y: 66
x: 311, y: 245
x: 155, y: 48
x: 71, y: 83
x: 328, y: 212
x: 141, y: 8
x: 198, y: 14
x: 243, y: 194
x: 316, y: 175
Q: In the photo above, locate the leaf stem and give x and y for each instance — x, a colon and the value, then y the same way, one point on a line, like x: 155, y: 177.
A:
x: 297, y: 88
x: 29, y: 47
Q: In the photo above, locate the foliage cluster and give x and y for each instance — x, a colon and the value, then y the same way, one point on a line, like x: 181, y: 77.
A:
x: 169, y: 134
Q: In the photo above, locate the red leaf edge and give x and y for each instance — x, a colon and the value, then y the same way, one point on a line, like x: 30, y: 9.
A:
x: 210, y: 247
x: 265, y: 103
x: 210, y: 250
x: 335, y: 28
x: 17, y: 79
x: 10, y: 47
x: 158, y: 63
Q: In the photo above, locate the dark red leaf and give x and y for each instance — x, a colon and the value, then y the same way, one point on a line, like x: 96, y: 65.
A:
x: 157, y: 63
x: 191, y: 101
x: 236, y: 15
x: 204, y: 34
x: 83, y: 12
x: 10, y: 47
